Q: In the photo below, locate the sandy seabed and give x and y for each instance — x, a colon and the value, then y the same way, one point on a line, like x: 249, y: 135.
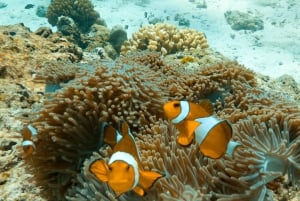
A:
x: 273, y: 51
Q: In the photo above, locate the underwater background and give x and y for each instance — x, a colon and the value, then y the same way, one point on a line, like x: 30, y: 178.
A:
x: 67, y: 66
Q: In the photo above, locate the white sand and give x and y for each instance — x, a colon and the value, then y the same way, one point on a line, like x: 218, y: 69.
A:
x: 273, y: 51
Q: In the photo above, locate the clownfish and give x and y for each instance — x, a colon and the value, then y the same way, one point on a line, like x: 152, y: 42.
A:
x: 123, y: 172
x: 197, y: 121
x: 29, y: 133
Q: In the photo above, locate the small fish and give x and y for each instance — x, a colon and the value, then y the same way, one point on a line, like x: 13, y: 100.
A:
x: 123, y: 172
x: 198, y: 121
x: 29, y: 133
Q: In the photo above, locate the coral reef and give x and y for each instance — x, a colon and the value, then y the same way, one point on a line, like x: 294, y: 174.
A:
x: 41, y: 11
x: 165, y: 38
x: 68, y: 28
x: 109, y: 95
x: 81, y: 11
x: 16, y: 102
x: 23, y: 52
x: 69, y: 131
x: 133, y: 88
x: 117, y: 36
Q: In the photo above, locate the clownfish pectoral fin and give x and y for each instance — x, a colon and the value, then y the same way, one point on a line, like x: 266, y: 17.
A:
x: 186, y: 132
x: 138, y: 190
x: 100, y: 169
x: 147, y: 178
x: 110, y: 135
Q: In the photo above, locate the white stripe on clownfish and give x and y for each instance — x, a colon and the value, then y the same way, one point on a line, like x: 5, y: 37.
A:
x: 32, y: 130
x: 185, y: 109
x: 27, y: 143
x: 206, y: 124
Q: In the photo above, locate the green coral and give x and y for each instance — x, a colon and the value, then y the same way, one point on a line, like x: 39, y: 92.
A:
x: 81, y: 11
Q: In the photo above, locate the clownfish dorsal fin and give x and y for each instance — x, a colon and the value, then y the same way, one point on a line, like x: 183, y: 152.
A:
x: 110, y: 135
x: 124, y: 128
x: 127, y: 143
x: 186, y: 132
x: 147, y: 178
x: 100, y: 169
x: 207, y: 105
x: 203, y: 109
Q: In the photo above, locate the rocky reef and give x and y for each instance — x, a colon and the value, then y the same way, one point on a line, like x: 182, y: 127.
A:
x: 243, y: 20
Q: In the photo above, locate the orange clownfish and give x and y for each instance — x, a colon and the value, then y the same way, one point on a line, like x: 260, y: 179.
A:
x: 123, y: 172
x: 29, y: 133
x: 197, y: 121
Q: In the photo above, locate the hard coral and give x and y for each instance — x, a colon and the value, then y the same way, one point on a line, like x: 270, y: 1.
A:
x: 81, y: 11
x: 165, y: 38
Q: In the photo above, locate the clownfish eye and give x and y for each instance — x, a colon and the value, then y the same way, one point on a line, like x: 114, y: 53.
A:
x: 176, y: 105
x: 127, y: 168
x: 109, y: 168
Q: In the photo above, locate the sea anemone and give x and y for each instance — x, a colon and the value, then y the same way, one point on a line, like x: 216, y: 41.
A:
x: 68, y: 128
x: 69, y: 124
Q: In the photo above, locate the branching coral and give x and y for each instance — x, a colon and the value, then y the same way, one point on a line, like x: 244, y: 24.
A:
x: 81, y: 11
x: 165, y: 38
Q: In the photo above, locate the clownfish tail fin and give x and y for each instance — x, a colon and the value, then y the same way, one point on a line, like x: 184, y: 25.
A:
x: 147, y: 178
